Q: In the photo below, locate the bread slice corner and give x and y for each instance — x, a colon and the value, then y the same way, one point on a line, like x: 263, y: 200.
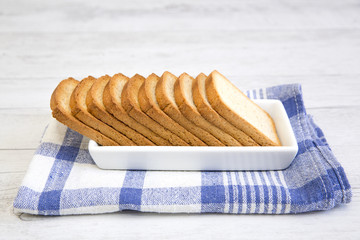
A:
x: 112, y: 96
x: 79, y: 110
x: 77, y: 99
x: 95, y: 104
x: 205, y: 109
x: 166, y: 98
x: 130, y: 102
x: 185, y: 102
x: 60, y: 106
x: 150, y: 106
x: 113, y: 103
x: 233, y: 105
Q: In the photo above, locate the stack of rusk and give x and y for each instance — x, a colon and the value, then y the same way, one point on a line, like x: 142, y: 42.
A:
x: 162, y: 111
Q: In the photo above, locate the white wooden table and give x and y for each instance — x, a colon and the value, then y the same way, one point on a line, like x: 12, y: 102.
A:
x: 255, y: 44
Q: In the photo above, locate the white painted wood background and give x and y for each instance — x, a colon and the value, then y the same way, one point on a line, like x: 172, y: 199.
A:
x: 255, y: 43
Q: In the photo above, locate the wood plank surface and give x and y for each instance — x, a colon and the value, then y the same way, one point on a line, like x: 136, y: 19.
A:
x: 162, y: 15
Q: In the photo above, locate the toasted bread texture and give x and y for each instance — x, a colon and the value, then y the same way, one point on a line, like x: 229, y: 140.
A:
x: 80, y: 111
x: 130, y: 103
x: 94, y: 102
x: 60, y: 106
x: 166, y: 100
x: 149, y: 105
x: 186, y: 105
x: 239, y: 110
x: 205, y: 109
x: 113, y: 104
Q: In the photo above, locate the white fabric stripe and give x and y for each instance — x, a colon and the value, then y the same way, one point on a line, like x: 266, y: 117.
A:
x: 288, y: 197
x: 90, y: 210
x: 257, y: 90
x: 264, y: 93
x: 235, y: 192
x: 261, y: 191
x: 194, y: 208
x: 251, y: 184
x: 268, y: 185
x: 227, y: 197
x: 36, y: 179
x: 278, y: 209
x: 235, y: 208
x: 244, y: 196
x: 19, y: 211
x: 248, y: 175
x: 54, y: 133
x: 250, y: 95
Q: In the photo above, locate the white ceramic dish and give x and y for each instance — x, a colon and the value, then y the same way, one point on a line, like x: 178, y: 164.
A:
x: 205, y: 158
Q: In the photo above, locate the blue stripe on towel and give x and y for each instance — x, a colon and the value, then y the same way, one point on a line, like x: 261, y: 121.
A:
x: 49, y: 201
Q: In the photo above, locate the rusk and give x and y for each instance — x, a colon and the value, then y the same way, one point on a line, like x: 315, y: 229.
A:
x: 205, y: 109
x: 239, y: 110
x: 94, y: 102
x: 185, y: 103
x: 166, y: 100
x: 80, y: 111
x: 60, y: 106
x: 130, y: 102
x: 113, y: 104
x: 149, y: 105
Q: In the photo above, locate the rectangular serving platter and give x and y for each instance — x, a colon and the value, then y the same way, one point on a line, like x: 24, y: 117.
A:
x: 192, y: 158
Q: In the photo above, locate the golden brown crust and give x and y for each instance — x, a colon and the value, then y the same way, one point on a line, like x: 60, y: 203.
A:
x: 189, y: 110
x: 152, y: 109
x: 212, y: 116
x: 145, y: 101
x: 112, y: 96
x: 171, y: 109
x: 60, y: 106
x: 112, y: 102
x: 80, y: 111
x: 130, y: 103
x: 94, y: 102
x: 217, y: 103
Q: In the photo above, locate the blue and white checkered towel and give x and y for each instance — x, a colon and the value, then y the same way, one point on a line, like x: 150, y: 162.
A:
x: 63, y: 179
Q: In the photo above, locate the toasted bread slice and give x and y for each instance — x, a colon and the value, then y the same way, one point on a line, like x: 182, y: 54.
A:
x: 166, y: 100
x: 239, y: 110
x: 60, y: 106
x: 205, y: 109
x: 130, y: 103
x: 185, y: 103
x: 80, y: 111
x: 113, y: 104
x: 94, y: 102
x: 149, y: 105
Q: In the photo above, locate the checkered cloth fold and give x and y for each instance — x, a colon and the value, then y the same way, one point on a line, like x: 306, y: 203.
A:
x: 62, y: 178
